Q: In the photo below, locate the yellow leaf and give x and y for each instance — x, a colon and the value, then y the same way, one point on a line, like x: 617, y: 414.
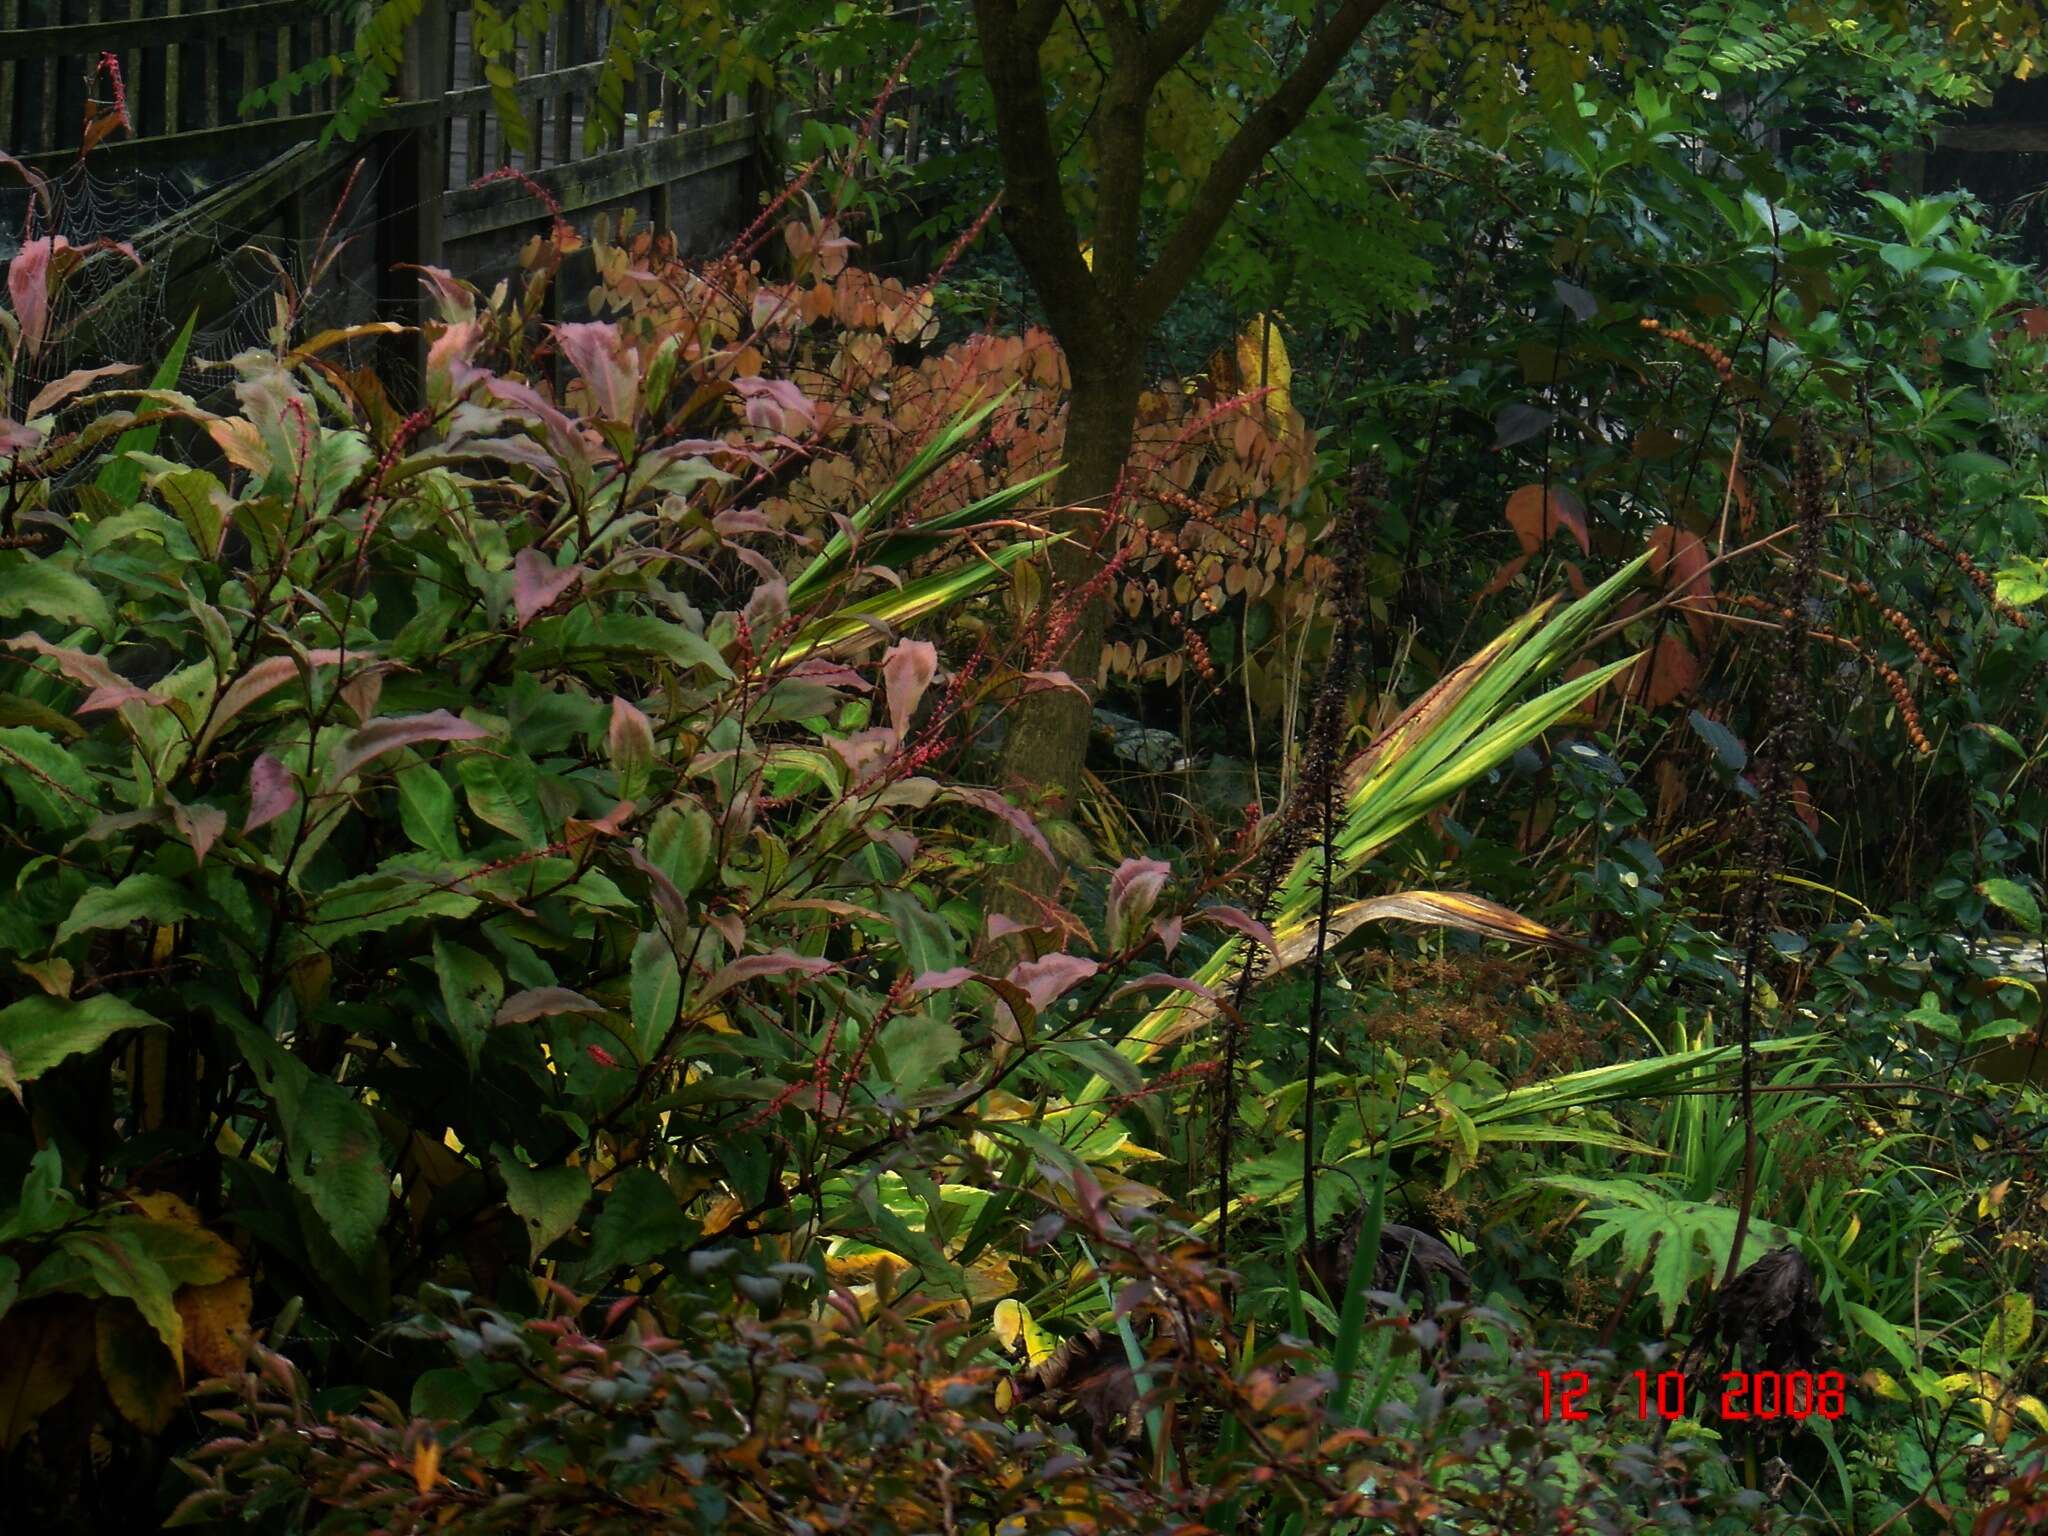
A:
x: 216, y: 1321
x: 1262, y: 363
x: 1005, y: 1395
x: 2036, y: 1410
x: 1088, y: 254
x: 990, y: 1277
x: 165, y: 1207
x: 721, y: 1215
x: 1849, y: 1237
x: 426, y: 1465
x: 1008, y: 1322
x: 1881, y: 1384
x: 452, y: 1141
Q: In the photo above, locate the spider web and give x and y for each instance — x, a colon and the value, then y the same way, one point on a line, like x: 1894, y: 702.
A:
x: 166, y: 243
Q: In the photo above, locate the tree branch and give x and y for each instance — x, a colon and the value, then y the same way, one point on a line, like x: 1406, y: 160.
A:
x: 1035, y: 218
x: 1177, y: 33
x: 1270, y: 122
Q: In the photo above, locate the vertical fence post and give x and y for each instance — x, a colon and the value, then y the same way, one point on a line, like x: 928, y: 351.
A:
x: 412, y: 164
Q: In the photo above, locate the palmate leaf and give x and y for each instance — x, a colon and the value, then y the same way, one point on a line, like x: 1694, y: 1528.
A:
x: 1682, y: 1241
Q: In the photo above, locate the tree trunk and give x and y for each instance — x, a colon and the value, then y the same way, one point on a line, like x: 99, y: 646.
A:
x: 1048, y: 737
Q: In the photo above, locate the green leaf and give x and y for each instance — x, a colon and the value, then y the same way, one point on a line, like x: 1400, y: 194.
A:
x: 471, y: 990
x: 641, y: 635
x: 502, y: 793
x: 335, y: 1157
x: 45, y: 1205
x: 119, y: 1266
x: 680, y: 842
x: 2014, y: 899
x: 657, y: 991
x: 121, y: 477
x: 640, y: 1218
x: 36, y: 586
x: 46, y: 780
x: 922, y: 935
x: 2011, y: 1329
x: 426, y: 807
x: 1670, y: 1275
x: 39, y: 1031
x: 1875, y: 1327
x: 915, y: 1047
x: 547, y: 1201
x: 376, y: 902
x: 154, y: 897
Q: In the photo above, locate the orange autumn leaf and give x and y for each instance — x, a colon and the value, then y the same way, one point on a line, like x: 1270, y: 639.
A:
x: 1536, y: 515
x: 1678, y: 559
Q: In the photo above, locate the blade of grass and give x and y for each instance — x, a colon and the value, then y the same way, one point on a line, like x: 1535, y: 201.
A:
x: 121, y: 477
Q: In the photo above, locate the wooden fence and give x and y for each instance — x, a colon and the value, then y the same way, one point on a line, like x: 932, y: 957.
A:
x: 687, y: 163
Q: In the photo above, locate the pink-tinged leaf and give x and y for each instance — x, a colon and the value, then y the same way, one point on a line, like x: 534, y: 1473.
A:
x: 362, y: 691
x: 1169, y: 930
x: 833, y: 674
x: 994, y: 802
x: 731, y: 521
x: 28, y: 288
x: 113, y: 697
x: 1159, y: 980
x: 57, y: 391
x: 537, y: 582
x: 864, y: 752
x: 40, y: 266
x: 456, y: 298
x: 610, y: 370
x: 667, y: 895
x: 1038, y: 682
x: 576, y: 830
x: 728, y: 925
x: 268, y: 674
x: 776, y: 405
x: 109, y: 688
x: 17, y: 439
x: 1133, y: 892
x: 449, y: 358
x: 391, y: 733
x: 568, y: 441
x: 36, y: 184
x: 777, y: 962
x: 630, y: 742
x: 200, y: 826
x: 908, y: 668
x: 543, y: 1003
x: 1238, y: 921
x: 1050, y: 977
x: 942, y: 981
x: 271, y: 792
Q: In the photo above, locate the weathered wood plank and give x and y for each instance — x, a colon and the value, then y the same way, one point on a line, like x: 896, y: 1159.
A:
x: 88, y: 40
x: 597, y: 180
x: 1997, y: 139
